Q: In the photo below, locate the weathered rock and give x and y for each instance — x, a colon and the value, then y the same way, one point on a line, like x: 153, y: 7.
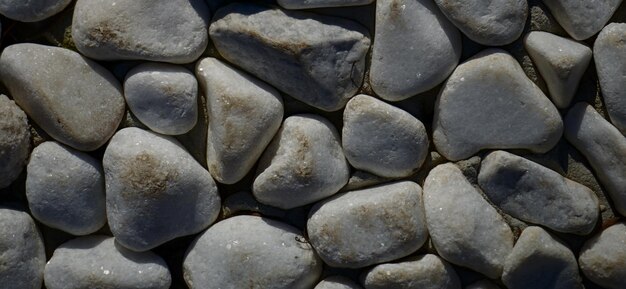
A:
x: 360, y: 179
x: 608, y: 51
x: 582, y: 19
x: 482, y: 284
x: 31, y: 11
x: 308, y: 4
x: 424, y: 272
x: 602, y: 257
x: 337, y: 282
x: 14, y: 141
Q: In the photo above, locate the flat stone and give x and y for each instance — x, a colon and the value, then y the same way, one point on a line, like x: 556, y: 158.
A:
x: 489, y: 103
x: 244, y: 112
x: 65, y: 189
x: 14, y: 141
x: 415, y: 48
x: 482, y: 284
x: 303, y: 164
x: 488, y: 22
x: 73, y: 99
x: 465, y: 229
x: 603, y: 146
x: 608, y: 52
x: 319, y: 60
x: 536, y: 194
x: 31, y: 11
x: 382, y: 139
x: 337, y: 282
x: 156, y: 30
x: 424, y: 272
x: 308, y: 4
x: 99, y: 262
x: 561, y: 62
x: 540, y: 261
x: 602, y: 257
x: 582, y: 20
x: 365, y: 227
x: 155, y: 190
x: 251, y: 252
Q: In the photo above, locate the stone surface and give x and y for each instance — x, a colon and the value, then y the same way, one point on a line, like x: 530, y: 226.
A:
x: 465, y: 229
x: 582, y: 19
x: 482, y: 284
x: 489, y: 103
x: 365, y: 227
x: 155, y: 190
x: 251, y: 252
x: 65, y: 189
x: 99, y: 262
x: 337, y: 282
x: 164, y: 97
x: 424, y: 272
x: 304, y: 163
x: 155, y: 30
x: 608, y: 52
x: 244, y: 114
x: 533, y: 193
x: 319, y: 60
x: 538, y: 261
x: 14, y: 141
x: 75, y: 100
x: 382, y: 139
x: 308, y: 4
x: 602, y: 257
x: 561, y: 62
x: 415, y: 48
x: 31, y: 11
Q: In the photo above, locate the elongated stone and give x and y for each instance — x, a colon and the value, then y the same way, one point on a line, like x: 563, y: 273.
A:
x: 582, y: 19
x: 31, y: 11
x: 14, y: 141
x: 602, y: 257
x: 608, y: 52
x: 424, y: 271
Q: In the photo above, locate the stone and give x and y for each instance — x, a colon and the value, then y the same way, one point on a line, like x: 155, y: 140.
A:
x: 360, y: 179
x: 23, y: 257
x: 539, y: 260
x: 603, y: 146
x: 582, y: 19
x: 65, y: 189
x: 536, y: 194
x: 308, y: 4
x: 423, y: 271
x: 244, y: 113
x: 251, y: 252
x: 319, y: 60
x: 370, y: 226
x: 602, y: 257
x: 164, y: 97
x: 31, y: 11
x: 482, y: 284
x: 415, y: 48
x: 73, y: 99
x: 99, y: 262
x: 488, y: 22
x: 561, y: 62
x: 465, y: 229
x: 337, y: 282
x: 489, y: 103
x: 382, y: 139
x: 155, y: 190
x: 14, y: 141
x: 303, y: 164
x: 608, y: 52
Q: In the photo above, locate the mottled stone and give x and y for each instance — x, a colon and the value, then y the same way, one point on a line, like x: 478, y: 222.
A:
x: 308, y: 4
x: 337, y: 282
x: 608, y: 52
x: 602, y: 257
x: 31, y: 10
x: 424, y: 272
x: 14, y: 141
x: 582, y: 19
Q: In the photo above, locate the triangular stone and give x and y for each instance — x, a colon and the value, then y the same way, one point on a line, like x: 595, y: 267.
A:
x: 582, y: 18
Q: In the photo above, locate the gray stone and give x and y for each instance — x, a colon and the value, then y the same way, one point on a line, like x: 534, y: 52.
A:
x: 533, y: 193
x: 382, y: 139
x: 155, y: 190
x: 482, y: 284
x: 489, y: 103
x: 73, y: 99
x: 582, y: 19
x: 251, y: 252
x: 14, y: 141
x: 65, y: 189
x: 155, y: 30
x: 415, y: 48
x: 32, y: 10
x: 465, y: 229
x: 308, y: 4
x: 369, y: 226
x: 602, y: 257
x: 244, y: 113
x: 360, y: 179
x: 99, y: 262
x: 608, y: 52
x: 337, y: 282
x: 303, y: 164
x: 319, y: 60
x: 424, y: 272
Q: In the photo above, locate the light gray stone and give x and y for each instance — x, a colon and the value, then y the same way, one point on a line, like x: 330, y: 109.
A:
x: 415, y: 48
x: 582, y: 19
x: 424, y: 272
x: 99, y: 262
x: 244, y: 113
x: 251, y: 252
x: 602, y: 257
x: 308, y: 4
x: 14, y: 141
x: 155, y: 190
x: 156, y: 30
x: 489, y: 103
x: 337, y: 282
x: 32, y: 10
x: 465, y: 229
x: 482, y: 284
x: 318, y: 60
x: 608, y: 52
x: 74, y: 100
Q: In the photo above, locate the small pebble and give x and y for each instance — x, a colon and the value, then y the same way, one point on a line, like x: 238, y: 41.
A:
x: 308, y: 4
x: 337, y: 282
x: 608, y: 52
x: 14, y: 141
x: 31, y: 10
x: 582, y: 19
x: 423, y: 272
x: 602, y: 257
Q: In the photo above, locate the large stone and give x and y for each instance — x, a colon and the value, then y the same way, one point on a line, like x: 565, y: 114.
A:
x: 424, y: 272
x: 319, y: 60
x: 73, y: 99
x: 489, y: 103
x: 415, y: 48
x: 32, y: 10
x: 308, y: 4
x: 14, y: 141
x: 602, y: 257
x: 608, y: 52
x: 337, y: 282
x: 582, y: 19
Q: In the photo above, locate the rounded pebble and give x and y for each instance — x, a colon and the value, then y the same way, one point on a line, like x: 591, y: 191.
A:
x: 14, y: 141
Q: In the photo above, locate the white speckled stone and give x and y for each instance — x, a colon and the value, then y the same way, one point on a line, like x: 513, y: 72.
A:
x: 582, y: 19
x: 14, y: 141
x: 31, y: 10
x: 337, y: 282
x: 608, y: 52
x: 308, y: 4
x: 423, y: 272
x: 602, y: 257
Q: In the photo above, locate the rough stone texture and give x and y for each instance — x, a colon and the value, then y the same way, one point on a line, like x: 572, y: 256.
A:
x: 360, y: 179
x: 489, y: 103
x: 482, y: 284
x: 99, y: 262
x: 155, y: 190
x: 32, y: 10
x: 582, y: 19
x: 370, y: 226
x: 337, y: 282
x: 251, y: 252
x: 464, y: 228
x: 308, y: 4
x: 14, y: 141
x: 608, y: 51
x: 244, y: 115
x: 602, y: 257
x: 415, y: 48
x: 73, y: 99
x: 319, y: 60
x: 424, y: 272
x: 155, y: 30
